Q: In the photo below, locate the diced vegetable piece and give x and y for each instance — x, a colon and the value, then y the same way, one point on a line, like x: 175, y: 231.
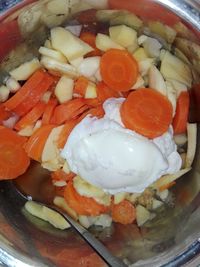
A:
x: 151, y: 46
x: 47, y: 44
x: 169, y: 178
x: 124, y: 212
x: 171, y: 95
x: 140, y: 54
x: 104, y: 42
x: 156, y: 80
x: 182, y: 111
x: 64, y: 134
x: 52, y: 53
x: 81, y: 85
x: 81, y: 204
x: 173, y: 68
x: 97, y: 4
x: 46, y: 97
x: 31, y: 117
x: 104, y: 92
x: 122, y: 73
x: 76, y: 62
x: 12, y: 85
x: 64, y: 89
x: 67, y: 43
x: 59, y: 67
x: 123, y: 35
x: 192, y: 143
x: 86, y: 221
x: 27, y: 131
x: 61, y: 203
x: 119, y: 197
x: 89, y: 66
x: 46, y: 214
x: 128, y: 19
x: 90, y: 39
x: 24, y: 71
x: 13, y: 158
x: 156, y: 204
x: 103, y: 220
x: 51, y: 158
x: 156, y: 116
x: 142, y: 215
x: 4, y: 93
x: 91, y: 91
x: 163, y: 195
x: 145, y: 65
x: 35, y: 145
x: 106, y: 15
x: 178, y: 87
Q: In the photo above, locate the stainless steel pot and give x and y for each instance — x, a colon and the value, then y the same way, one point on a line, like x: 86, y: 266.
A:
x: 171, y: 240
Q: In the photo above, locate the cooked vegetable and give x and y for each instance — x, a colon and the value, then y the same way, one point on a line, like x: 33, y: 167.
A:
x: 104, y: 92
x: 140, y: 54
x: 47, y: 214
x: 147, y: 112
x: 64, y: 89
x: 65, y: 132
x: 128, y: 19
x: 13, y: 158
x: 119, y: 70
x: 180, y: 139
x: 175, y: 69
x: 35, y: 145
x: 24, y: 71
x: 123, y: 213
x: 4, y: 93
x: 151, y: 46
x: 90, y: 39
x: 61, y: 203
x: 91, y: 91
x: 48, y: 111
x: 81, y: 86
x: 181, y: 116
x: 119, y: 197
x: 89, y: 66
x: 4, y: 113
x: 30, y: 93
x: 145, y: 65
x: 31, y: 117
x: 142, y: 215
x: 192, y: 143
x: 123, y: 35
x: 53, y: 54
x: 156, y: 80
x: 81, y: 204
x: 104, y: 43
x: 68, y: 44
x: 12, y: 85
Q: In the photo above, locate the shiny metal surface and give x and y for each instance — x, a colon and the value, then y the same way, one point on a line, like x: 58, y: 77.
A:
x: 25, y: 238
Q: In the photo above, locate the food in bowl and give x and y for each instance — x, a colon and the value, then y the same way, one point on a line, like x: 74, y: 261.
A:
x: 106, y: 112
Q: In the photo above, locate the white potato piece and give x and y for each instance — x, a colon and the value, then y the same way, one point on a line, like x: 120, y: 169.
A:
x: 24, y: 71
x: 47, y: 214
x: 91, y: 91
x: 76, y: 62
x: 104, y: 42
x: 61, y: 203
x: 123, y: 35
x: 51, y: 158
x: 168, y: 178
x: 106, y: 15
x: 171, y: 95
x: 64, y: 89
x: 145, y: 65
x: 103, y: 220
x: 68, y: 44
x: 74, y: 29
x: 128, y: 19
x: 47, y: 44
x: 175, y: 69
x: 178, y: 87
x: 156, y: 204
x: 163, y: 195
x: 119, y: 197
x: 133, y: 197
x: 52, y: 53
x: 192, y: 143
x: 12, y: 85
x: 59, y: 67
x: 58, y: 7
x: 4, y: 93
x: 89, y: 66
x: 142, y: 215
x: 156, y: 80
x: 140, y: 54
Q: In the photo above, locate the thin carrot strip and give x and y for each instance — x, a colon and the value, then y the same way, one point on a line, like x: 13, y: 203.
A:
x: 68, y: 127
x: 48, y: 112
x: 81, y: 86
x: 31, y: 117
x: 123, y: 213
x: 90, y: 39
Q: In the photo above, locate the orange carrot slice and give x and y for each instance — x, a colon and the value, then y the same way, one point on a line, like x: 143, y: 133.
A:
x: 60, y: 175
x: 166, y: 186
x: 147, y: 112
x: 81, y: 204
x: 181, y: 115
x: 69, y: 110
x: 48, y: 112
x: 68, y: 127
x: 93, y: 112
x: 81, y: 86
x: 104, y: 92
x: 123, y: 213
x: 14, y: 161
x: 90, y: 39
x: 35, y: 145
x: 119, y: 70
x: 31, y: 117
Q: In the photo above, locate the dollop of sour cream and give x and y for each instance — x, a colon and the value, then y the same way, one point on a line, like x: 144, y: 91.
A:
x: 116, y: 159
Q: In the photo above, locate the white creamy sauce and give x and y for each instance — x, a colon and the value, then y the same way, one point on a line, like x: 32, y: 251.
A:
x: 116, y: 159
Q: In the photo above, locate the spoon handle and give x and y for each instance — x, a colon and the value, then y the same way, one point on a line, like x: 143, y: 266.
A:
x: 103, y: 252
